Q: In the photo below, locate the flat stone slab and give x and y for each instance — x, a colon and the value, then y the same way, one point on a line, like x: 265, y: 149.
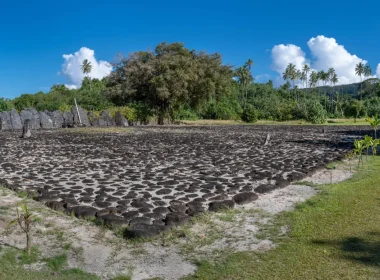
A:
x: 155, y: 178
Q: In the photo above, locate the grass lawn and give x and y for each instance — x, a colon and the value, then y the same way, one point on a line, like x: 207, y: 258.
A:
x: 13, y: 261
x: 335, y: 235
x: 267, y: 122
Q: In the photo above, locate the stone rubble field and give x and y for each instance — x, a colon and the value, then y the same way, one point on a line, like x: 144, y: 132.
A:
x: 153, y: 178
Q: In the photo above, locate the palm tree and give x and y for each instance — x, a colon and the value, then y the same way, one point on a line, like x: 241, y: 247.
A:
x: 359, y: 70
x: 291, y: 74
x: 306, y: 70
x: 331, y: 73
x: 249, y: 64
x: 313, y: 79
x: 324, y: 77
x: 86, y: 66
x: 334, y: 80
x: 245, y: 78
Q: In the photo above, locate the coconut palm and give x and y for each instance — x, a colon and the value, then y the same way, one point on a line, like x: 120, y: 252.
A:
x: 359, y: 70
x: 305, y: 71
x: 334, y: 80
x: 313, y: 79
x: 367, y: 71
x: 86, y: 66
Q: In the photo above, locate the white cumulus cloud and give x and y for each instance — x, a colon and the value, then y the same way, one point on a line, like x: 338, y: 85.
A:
x: 282, y: 55
x: 378, y: 71
x: 325, y: 53
x: 71, y: 67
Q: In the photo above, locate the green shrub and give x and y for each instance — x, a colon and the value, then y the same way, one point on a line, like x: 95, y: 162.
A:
x: 250, y: 115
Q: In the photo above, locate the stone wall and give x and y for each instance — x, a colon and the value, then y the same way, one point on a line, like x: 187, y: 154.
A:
x: 56, y: 119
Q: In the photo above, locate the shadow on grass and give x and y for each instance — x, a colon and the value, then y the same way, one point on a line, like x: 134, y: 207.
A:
x: 365, y: 250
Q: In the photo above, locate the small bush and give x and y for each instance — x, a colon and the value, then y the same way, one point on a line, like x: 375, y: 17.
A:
x: 250, y: 115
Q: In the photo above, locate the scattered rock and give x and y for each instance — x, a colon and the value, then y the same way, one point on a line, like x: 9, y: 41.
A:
x: 176, y: 219
x: 245, y: 198
x: 221, y: 205
x: 141, y: 230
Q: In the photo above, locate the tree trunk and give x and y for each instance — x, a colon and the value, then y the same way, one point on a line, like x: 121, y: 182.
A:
x: 28, y: 243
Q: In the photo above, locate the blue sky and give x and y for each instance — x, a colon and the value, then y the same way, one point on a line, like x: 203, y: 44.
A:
x: 35, y: 34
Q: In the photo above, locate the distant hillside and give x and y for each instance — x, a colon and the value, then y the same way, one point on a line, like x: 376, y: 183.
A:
x: 351, y: 89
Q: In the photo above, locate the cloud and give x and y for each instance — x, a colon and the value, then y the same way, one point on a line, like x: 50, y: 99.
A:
x: 378, y: 71
x: 282, y: 55
x: 71, y: 68
x: 325, y: 53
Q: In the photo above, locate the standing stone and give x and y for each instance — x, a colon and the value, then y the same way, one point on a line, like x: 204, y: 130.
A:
x: 83, y: 116
x: 15, y: 119
x: 26, y: 130
x: 93, y: 119
x: 32, y: 115
x: 106, y: 119
x: 120, y: 120
x: 6, y: 120
x: 57, y: 118
x: 46, y: 122
x: 1, y: 122
x: 68, y: 119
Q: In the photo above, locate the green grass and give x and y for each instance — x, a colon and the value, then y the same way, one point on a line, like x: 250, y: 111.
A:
x: 12, y: 268
x: 269, y: 122
x: 335, y: 235
x: 56, y: 263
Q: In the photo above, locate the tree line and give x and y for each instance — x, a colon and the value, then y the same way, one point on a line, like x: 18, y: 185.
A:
x: 173, y: 82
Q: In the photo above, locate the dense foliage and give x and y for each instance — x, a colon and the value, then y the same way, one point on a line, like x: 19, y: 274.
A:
x: 175, y: 83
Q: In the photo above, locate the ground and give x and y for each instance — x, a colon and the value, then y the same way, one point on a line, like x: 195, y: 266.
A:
x: 137, y: 171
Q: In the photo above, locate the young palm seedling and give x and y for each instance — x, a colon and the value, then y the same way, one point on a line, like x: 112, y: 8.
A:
x: 358, y: 150
x: 374, y: 144
x: 374, y: 122
x: 24, y: 220
x: 367, y: 143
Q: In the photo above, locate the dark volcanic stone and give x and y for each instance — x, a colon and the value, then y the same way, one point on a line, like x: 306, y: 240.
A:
x: 56, y: 205
x: 221, y: 205
x: 194, y: 208
x: 83, y: 211
x: 265, y: 188
x: 141, y: 230
x: 130, y: 214
x: 177, y: 206
x: 176, y: 219
x: 140, y: 220
x: 245, y: 198
x: 114, y: 220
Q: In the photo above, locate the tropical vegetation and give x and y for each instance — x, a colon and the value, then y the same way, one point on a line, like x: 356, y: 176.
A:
x: 173, y: 82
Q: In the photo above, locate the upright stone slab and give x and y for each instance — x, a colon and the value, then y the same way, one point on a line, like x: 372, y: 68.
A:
x: 120, y: 120
x: 26, y: 130
x: 32, y: 115
x: 1, y: 122
x: 83, y: 116
x: 93, y: 119
x: 57, y: 118
x: 6, y: 120
x: 15, y: 119
x: 106, y: 119
x: 68, y: 119
x: 46, y: 122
